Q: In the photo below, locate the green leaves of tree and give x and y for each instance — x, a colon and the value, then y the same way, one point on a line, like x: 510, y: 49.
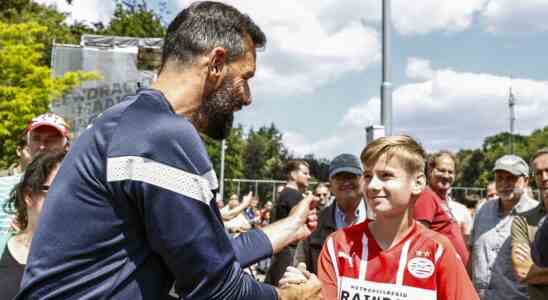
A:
x: 26, y: 85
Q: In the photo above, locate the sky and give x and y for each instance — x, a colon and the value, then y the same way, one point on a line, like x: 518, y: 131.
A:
x: 453, y: 62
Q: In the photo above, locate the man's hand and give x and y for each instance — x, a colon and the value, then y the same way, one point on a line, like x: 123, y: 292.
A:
x: 299, y: 284
x: 305, y: 214
x: 300, y: 223
x: 522, y: 258
x: 294, y: 275
x: 246, y: 201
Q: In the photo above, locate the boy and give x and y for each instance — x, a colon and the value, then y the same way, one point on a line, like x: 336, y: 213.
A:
x: 393, y: 257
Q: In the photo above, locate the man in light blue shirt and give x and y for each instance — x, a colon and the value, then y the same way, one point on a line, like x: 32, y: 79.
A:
x: 491, y: 262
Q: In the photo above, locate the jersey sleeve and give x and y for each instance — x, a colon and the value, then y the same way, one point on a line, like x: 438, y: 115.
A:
x: 452, y: 280
x: 167, y: 181
x: 425, y: 207
x: 326, y: 271
x: 251, y: 247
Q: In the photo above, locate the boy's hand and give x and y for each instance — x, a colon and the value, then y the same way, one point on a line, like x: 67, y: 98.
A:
x: 294, y: 275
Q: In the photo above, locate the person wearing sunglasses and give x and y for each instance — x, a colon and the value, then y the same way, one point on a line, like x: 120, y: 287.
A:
x: 25, y: 202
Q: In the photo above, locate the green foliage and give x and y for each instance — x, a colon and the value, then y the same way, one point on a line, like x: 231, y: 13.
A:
x: 27, y: 11
x: 134, y: 19
x: 476, y: 165
x: 26, y: 86
x: 319, y: 168
x: 258, y: 155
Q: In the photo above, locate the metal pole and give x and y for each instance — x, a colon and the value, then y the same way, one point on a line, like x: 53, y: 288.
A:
x: 256, y: 188
x: 273, y: 191
x: 386, y: 86
x: 222, y: 183
x: 511, y: 104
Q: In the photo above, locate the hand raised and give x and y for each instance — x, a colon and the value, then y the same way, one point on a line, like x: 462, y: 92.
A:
x: 305, y: 213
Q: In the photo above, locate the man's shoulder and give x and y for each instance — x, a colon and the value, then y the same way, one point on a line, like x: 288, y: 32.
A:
x: 328, y: 214
x: 427, y: 197
x: 489, y: 207
x: 528, y: 204
x: 532, y: 216
x: 426, y: 234
x: 151, y: 113
x: 148, y: 128
x: 290, y: 194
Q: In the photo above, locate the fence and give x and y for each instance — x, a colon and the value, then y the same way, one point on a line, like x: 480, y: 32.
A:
x: 267, y: 190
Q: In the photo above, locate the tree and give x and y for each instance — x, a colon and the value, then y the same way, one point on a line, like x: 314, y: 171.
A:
x: 234, y: 164
x: 476, y: 165
x: 319, y: 167
x: 134, y: 19
x: 26, y: 86
x: 27, y: 11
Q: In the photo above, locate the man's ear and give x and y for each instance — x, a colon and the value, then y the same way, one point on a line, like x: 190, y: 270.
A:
x: 419, y: 183
x: 216, y: 65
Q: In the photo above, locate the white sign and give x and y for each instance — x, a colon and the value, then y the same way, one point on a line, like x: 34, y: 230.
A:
x: 354, y: 289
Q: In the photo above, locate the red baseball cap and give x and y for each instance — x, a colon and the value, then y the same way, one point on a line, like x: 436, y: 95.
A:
x: 52, y: 120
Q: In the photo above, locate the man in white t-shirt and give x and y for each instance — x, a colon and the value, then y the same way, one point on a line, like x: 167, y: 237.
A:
x: 463, y: 217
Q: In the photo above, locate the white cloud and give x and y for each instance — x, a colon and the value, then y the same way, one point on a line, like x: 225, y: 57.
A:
x: 89, y: 11
x: 523, y: 16
x: 300, y: 145
x: 304, y: 52
x: 458, y: 110
x: 425, y: 16
x: 419, y: 17
x: 418, y: 68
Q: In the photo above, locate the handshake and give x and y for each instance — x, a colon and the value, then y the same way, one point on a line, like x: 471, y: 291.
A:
x: 299, y: 284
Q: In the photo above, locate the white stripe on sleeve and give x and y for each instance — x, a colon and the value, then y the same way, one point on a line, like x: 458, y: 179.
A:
x: 158, y: 174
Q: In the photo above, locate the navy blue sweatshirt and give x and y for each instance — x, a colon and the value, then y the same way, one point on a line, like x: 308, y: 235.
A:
x: 131, y: 211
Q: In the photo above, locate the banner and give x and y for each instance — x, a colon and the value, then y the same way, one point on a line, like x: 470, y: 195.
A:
x: 117, y: 67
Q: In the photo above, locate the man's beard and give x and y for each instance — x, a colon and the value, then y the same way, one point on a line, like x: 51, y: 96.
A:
x: 216, y: 114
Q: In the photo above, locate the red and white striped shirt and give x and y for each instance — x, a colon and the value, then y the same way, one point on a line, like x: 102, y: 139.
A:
x: 422, y: 266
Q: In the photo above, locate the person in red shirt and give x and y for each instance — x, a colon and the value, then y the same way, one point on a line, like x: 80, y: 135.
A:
x: 431, y: 207
x: 393, y: 257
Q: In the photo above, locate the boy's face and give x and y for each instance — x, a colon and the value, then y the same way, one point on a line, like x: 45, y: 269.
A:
x: 389, y: 187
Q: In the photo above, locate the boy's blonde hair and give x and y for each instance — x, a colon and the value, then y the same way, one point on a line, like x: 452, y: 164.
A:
x: 405, y: 148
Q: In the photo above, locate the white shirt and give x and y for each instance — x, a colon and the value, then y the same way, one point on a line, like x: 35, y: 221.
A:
x: 462, y: 215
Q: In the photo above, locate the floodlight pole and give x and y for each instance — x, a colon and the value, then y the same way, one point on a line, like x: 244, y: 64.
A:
x: 386, y: 86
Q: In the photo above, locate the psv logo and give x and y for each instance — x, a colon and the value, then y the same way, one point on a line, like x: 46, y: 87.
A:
x: 420, y: 267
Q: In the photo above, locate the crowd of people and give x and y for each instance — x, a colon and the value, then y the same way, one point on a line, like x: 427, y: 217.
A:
x: 128, y: 211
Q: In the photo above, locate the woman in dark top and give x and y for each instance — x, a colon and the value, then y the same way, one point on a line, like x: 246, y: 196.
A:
x: 25, y: 202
